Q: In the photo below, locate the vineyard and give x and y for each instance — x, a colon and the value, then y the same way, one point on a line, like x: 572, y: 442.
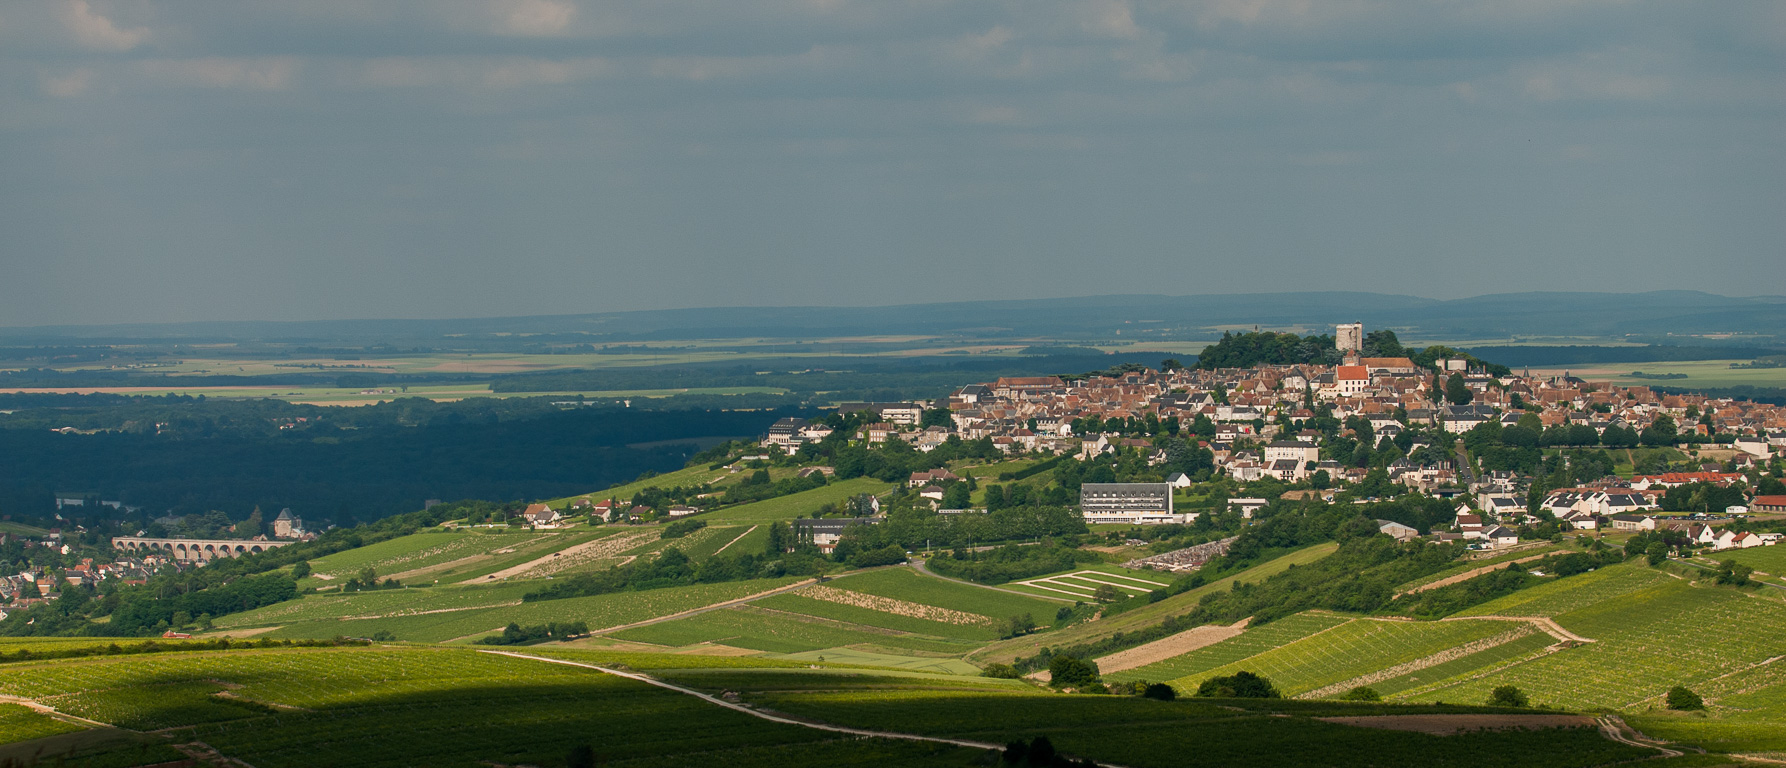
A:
x: 1350, y: 650
x: 599, y: 612
x: 20, y: 723
x: 908, y: 584
x: 793, y: 505
x: 1638, y: 618
x: 448, y: 557
x: 871, y: 617
x: 1564, y: 595
x: 1252, y: 642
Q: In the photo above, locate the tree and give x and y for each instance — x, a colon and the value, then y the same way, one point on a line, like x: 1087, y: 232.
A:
x: 1106, y: 593
x: 300, y: 570
x: 781, y: 539
x: 1681, y: 698
x: 1240, y: 685
x: 1657, y: 553
x: 1021, y: 624
x: 1160, y: 691
x: 937, y: 417
x: 1660, y: 432
x: 1508, y: 696
x: 1170, y: 364
x: 1361, y: 693
x: 1071, y: 672
x: 1383, y: 344
x: 1456, y: 391
x: 581, y: 756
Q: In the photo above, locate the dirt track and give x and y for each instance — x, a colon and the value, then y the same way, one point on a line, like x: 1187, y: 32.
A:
x: 1471, y: 574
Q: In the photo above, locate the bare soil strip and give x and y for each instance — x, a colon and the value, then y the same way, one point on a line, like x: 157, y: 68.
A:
x: 1168, y: 647
x: 735, y: 541
x: 1448, y: 725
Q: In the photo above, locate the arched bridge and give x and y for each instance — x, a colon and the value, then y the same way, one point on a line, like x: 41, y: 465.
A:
x: 194, y: 550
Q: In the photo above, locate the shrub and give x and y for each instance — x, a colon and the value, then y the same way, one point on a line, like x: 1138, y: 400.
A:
x: 682, y: 528
x: 1508, y: 696
x: 1361, y: 693
x: 1240, y: 685
x: 1681, y: 698
x: 1072, y: 672
x: 1001, y: 671
x: 1160, y: 691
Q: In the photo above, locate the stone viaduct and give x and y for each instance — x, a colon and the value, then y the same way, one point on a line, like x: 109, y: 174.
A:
x: 193, y: 550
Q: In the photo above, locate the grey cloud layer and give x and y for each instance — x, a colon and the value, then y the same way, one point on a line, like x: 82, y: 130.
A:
x: 178, y: 160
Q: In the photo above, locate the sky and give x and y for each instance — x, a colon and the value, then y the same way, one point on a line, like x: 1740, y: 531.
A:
x: 172, y: 161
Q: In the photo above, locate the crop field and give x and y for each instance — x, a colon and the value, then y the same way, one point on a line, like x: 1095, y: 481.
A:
x: 1700, y: 373
x: 1350, y: 650
x: 20, y: 723
x: 1148, y: 615
x: 793, y: 505
x: 908, y: 584
x: 1247, y: 644
x: 599, y: 611
x: 799, y: 603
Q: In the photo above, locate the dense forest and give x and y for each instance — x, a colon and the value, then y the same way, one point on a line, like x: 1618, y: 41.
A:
x: 341, y: 464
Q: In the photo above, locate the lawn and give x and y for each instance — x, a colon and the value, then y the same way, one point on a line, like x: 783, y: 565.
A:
x: 797, y: 504
x: 1356, y: 648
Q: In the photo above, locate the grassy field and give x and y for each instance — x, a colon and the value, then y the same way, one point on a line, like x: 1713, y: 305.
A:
x: 794, y: 505
x: 1700, y: 373
x: 1347, y: 651
x: 1252, y: 642
x: 1147, y: 616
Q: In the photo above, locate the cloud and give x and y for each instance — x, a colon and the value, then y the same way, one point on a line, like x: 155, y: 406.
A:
x: 97, y: 32
x: 272, y: 73
x: 535, y: 18
x: 67, y: 84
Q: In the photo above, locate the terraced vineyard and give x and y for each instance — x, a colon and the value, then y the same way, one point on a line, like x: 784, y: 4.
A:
x: 1352, y: 649
x: 1249, y: 643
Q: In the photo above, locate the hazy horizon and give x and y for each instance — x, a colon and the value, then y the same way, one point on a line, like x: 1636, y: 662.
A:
x: 172, y: 162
